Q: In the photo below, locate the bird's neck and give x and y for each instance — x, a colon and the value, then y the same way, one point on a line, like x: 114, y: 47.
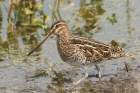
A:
x: 64, y: 38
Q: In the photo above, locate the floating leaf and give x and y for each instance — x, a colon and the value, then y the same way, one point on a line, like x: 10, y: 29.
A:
x: 48, y: 18
x: 114, y: 43
x: 28, y: 11
x: 24, y: 24
x: 35, y: 23
x: 39, y: 23
x: 123, y: 44
x: 45, y: 17
x: 112, y: 18
x: 44, y: 26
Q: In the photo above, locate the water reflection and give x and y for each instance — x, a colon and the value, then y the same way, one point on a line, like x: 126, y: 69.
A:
x: 19, y: 37
x: 89, y: 13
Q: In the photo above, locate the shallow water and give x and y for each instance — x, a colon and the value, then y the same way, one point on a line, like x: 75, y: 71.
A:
x: 20, y: 73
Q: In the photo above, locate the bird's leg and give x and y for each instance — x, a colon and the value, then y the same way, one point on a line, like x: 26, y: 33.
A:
x: 126, y: 66
x: 99, y: 73
x: 86, y: 75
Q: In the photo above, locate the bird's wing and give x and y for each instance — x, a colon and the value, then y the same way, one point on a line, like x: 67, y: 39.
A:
x: 97, y: 51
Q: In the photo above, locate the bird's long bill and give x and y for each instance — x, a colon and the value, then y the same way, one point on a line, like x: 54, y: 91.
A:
x: 40, y: 43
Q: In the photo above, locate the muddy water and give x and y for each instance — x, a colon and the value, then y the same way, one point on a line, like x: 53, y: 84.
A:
x: 44, y: 71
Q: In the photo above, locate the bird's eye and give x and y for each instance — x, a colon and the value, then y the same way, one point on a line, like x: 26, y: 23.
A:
x: 57, y: 26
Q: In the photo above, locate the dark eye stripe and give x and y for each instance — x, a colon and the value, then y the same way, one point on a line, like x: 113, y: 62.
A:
x: 58, y: 25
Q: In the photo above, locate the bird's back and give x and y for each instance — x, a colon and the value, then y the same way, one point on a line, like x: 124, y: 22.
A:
x: 95, y: 51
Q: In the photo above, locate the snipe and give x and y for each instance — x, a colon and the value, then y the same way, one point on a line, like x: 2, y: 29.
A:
x: 79, y: 51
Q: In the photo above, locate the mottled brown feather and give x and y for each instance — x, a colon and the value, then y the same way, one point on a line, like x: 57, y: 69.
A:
x: 79, y: 51
x: 90, y: 50
x: 104, y: 50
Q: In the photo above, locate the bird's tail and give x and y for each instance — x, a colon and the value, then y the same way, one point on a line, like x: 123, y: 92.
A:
x: 129, y: 55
